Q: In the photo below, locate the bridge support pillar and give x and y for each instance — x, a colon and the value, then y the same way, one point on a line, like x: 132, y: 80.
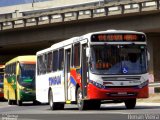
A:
x: 154, y: 63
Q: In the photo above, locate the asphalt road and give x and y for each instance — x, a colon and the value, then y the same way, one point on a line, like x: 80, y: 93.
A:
x: 143, y: 111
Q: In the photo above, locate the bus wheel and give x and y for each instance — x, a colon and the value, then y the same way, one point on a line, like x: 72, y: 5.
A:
x: 19, y: 102
x: 14, y: 102
x: 130, y: 103
x: 82, y: 104
x: 35, y: 102
x: 9, y: 102
x: 94, y: 104
x: 54, y: 105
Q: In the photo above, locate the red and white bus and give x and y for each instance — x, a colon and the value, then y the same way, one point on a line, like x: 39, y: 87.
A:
x: 94, y: 68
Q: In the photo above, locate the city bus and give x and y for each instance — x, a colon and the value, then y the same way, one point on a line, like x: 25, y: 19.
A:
x: 1, y: 81
x: 95, y: 68
x: 19, y: 80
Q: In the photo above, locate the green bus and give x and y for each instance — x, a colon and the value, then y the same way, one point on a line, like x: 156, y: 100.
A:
x: 19, y: 80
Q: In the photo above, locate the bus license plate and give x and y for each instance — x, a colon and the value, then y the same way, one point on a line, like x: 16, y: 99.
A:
x: 122, y: 93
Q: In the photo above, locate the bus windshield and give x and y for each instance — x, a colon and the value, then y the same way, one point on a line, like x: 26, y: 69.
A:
x: 1, y: 77
x: 118, y: 59
x: 1, y: 80
x: 27, y: 76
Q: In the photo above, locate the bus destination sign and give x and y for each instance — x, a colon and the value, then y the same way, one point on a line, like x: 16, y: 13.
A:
x: 117, y: 37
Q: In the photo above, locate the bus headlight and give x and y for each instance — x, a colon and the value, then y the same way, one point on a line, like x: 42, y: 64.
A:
x: 1, y: 90
x: 97, y: 84
x: 25, y: 90
x: 143, y: 84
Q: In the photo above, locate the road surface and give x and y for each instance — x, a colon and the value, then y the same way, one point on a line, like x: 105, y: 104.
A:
x: 143, y: 111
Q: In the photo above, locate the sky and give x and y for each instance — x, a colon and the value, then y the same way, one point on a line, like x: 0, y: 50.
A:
x: 16, y: 2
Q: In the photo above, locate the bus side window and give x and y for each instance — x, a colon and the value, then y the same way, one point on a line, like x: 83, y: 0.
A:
x: 76, y: 56
x: 55, y: 60
x: 45, y: 62
x: 39, y: 60
x: 61, y: 59
x: 14, y: 68
x: 41, y: 64
x: 6, y: 71
x: 49, y: 62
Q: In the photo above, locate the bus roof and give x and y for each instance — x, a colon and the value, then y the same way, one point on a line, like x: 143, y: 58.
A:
x: 25, y: 58
x: 79, y: 38
x: 55, y: 46
x: 65, y: 42
x: 111, y: 31
x: 44, y: 50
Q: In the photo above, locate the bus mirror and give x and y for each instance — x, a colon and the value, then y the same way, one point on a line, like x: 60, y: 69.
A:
x: 87, y: 52
x: 148, y: 56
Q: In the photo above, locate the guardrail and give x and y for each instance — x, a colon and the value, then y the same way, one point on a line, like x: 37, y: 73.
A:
x: 154, y: 87
x: 79, y: 12
x: 154, y: 84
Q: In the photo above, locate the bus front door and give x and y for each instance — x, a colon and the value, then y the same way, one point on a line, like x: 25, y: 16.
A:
x: 84, y: 71
x: 67, y: 72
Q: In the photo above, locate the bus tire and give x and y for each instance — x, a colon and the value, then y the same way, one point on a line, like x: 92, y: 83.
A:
x: 82, y: 104
x: 130, y: 103
x: 35, y: 102
x: 94, y: 104
x: 14, y: 102
x: 19, y: 102
x: 54, y: 105
x: 9, y: 102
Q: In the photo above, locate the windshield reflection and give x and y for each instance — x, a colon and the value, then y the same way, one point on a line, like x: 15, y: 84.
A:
x: 118, y: 59
x: 27, y: 75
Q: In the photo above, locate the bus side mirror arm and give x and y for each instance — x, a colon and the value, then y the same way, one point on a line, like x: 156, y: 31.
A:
x: 87, y: 52
x: 148, y: 56
x: 18, y: 77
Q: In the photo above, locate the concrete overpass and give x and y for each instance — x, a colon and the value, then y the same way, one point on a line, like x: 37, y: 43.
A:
x: 41, y: 28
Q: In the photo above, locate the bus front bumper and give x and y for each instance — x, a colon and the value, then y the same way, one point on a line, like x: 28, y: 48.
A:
x: 116, y: 93
x: 1, y: 93
x: 27, y: 96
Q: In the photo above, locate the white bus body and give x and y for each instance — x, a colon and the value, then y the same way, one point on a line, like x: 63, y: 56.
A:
x: 93, y: 67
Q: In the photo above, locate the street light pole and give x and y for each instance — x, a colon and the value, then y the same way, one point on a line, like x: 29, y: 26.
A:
x: 99, y: 3
x: 33, y: 3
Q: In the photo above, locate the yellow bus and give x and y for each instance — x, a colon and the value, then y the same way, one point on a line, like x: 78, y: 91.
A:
x: 19, y: 80
x: 1, y: 81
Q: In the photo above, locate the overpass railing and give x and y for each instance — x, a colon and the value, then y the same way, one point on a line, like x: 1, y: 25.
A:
x: 101, y: 8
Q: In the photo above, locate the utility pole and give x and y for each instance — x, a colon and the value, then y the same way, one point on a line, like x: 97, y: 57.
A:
x: 33, y: 3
